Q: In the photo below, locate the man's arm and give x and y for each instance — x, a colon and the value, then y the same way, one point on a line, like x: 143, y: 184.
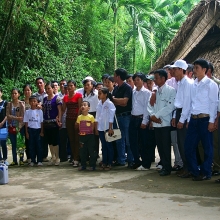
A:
x: 120, y: 101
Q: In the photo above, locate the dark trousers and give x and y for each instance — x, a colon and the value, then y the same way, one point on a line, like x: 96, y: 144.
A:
x: 138, y: 138
x: 27, y: 149
x: 198, y: 130
x: 96, y: 137
x: 63, y: 137
x: 181, y: 136
x: 163, y: 140
x: 107, y: 149
x: 44, y: 145
x: 87, y: 144
x: 151, y: 144
x: 35, y: 144
x: 4, y: 150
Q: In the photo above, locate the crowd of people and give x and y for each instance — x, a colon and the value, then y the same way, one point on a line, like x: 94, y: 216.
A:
x: 177, y: 106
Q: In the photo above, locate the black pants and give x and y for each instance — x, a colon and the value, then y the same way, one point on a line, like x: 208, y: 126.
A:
x: 63, y: 137
x: 87, y: 145
x: 181, y: 136
x: 44, y: 145
x: 163, y: 140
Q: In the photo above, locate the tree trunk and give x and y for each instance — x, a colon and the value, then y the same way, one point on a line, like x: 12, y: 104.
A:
x: 7, y: 26
x: 134, y: 41
x: 115, y: 36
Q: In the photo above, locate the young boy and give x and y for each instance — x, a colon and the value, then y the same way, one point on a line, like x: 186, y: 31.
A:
x: 85, y: 126
x: 33, y: 119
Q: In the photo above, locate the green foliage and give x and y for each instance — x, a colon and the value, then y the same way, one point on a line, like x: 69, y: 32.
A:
x: 72, y: 39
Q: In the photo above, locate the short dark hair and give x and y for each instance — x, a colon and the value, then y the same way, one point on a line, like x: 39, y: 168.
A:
x: 190, y: 67
x: 50, y: 83
x: 33, y: 97
x: 203, y: 63
x: 129, y: 76
x: 72, y: 81
x: 111, y: 78
x: 211, y: 67
x: 122, y: 73
x: 140, y: 75
x: 105, y: 76
x: 88, y: 103
x: 98, y: 84
x: 1, y: 90
x: 161, y: 73
x: 40, y: 77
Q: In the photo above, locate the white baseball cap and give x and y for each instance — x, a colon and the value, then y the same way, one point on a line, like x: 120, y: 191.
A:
x: 180, y: 64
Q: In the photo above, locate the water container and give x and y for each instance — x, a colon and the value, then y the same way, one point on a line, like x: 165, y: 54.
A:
x: 3, y: 173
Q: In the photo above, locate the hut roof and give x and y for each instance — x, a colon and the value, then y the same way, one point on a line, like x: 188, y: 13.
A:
x: 198, y: 36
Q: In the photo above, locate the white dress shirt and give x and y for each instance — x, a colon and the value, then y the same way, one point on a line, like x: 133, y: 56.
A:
x: 204, y: 98
x: 183, y: 97
x: 140, y: 101
x: 105, y: 114
x: 164, y: 106
x: 172, y: 82
x: 92, y: 99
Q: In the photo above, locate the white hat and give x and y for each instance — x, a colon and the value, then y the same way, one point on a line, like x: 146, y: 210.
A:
x: 180, y: 64
x: 90, y: 78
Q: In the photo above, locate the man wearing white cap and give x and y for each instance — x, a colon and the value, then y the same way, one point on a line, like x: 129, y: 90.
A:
x: 178, y: 163
x: 182, y: 106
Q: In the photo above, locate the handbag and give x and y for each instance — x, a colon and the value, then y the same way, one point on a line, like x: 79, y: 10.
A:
x: 12, y: 129
x: 115, y: 136
x: 3, y: 133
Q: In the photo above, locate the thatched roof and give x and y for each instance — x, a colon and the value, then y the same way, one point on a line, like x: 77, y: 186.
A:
x: 199, y: 36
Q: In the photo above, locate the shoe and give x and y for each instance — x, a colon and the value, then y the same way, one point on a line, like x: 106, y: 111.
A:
x: 6, y: 163
x: 215, y: 173
x: 81, y: 168
x: 135, y: 166
x: 57, y: 162
x: 130, y: 165
x: 217, y: 181
x: 176, y: 168
x: 39, y: 164
x: 45, y: 160
x: 164, y: 173
x: 119, y: 164
x: 51, y: 162
x: 21, y: 163
x: 13, y: 164
x: 201, y: 178
x: 31, y: 164
x: 76, y: 163
x: 159, y: 167
x: 91, y: 168
x: 108, y: 167
x: 141, y: 168
x: 186, y: 175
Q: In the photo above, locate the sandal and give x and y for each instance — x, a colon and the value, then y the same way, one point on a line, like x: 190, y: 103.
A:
x: 108, y: 167
x: 217, y: 181
x: 103, y: 167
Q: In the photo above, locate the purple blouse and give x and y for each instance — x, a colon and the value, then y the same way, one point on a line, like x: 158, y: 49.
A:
x: 50, y: 109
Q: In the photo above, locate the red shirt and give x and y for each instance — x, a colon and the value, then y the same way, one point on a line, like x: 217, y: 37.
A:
x: 72, y: 105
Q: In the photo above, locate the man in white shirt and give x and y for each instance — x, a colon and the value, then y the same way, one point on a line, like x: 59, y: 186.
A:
x: 178, y: 163
x: 204, y: 101
x: 138, y: 124
x: 161, y: 115
x: 182, y: 106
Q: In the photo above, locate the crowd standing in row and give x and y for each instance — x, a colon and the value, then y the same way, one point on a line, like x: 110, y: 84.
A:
x: 168, y: 107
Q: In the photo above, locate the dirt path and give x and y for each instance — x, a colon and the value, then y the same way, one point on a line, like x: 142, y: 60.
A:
x: 67, y: 194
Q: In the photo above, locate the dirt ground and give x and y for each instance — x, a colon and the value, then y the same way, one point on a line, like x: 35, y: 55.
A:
x: 53, y: 193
